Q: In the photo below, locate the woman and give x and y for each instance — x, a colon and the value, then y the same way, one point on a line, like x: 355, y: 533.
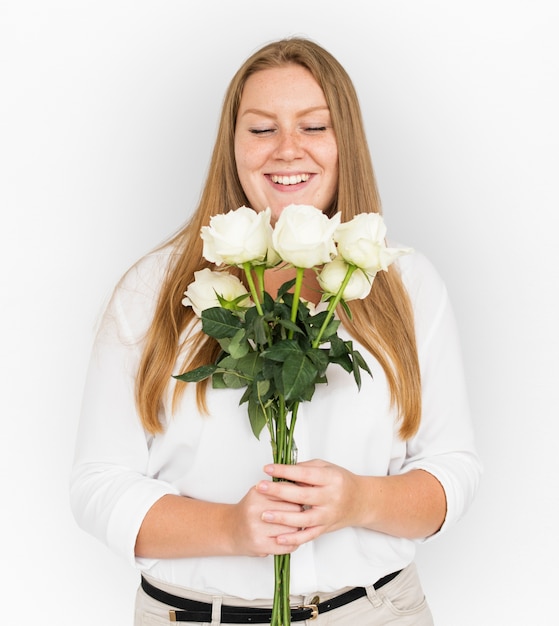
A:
x: 170, y: 475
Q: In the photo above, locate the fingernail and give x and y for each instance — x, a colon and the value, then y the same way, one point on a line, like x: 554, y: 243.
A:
x: 267, y: 516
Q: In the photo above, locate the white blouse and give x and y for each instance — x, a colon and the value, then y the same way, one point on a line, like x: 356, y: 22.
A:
x: 120, y: 471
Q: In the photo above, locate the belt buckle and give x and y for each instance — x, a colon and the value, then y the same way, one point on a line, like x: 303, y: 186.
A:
x: 313, y: 606
x: 172, y: 616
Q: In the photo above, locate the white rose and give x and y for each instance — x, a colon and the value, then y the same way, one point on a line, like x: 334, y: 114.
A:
x: 239, y: 237
x: 303, y: 236
x: 332, y: 276
x: 202, y: 293
x: 361, y: 242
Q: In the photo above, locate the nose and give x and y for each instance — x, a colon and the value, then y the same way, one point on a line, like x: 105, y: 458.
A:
x: 289, y: 146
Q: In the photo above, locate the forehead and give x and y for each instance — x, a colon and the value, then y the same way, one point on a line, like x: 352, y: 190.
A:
x: 287, y: 85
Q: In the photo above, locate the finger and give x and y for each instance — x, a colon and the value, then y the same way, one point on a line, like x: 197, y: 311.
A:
x: 304, y: 535
x: 299, y: 473
x: 308, y: 517
x: 276, y: 548
x: 288, y: 492
x: 284, y: 520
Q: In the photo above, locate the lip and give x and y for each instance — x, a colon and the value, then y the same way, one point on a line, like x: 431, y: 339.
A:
x: 292, y: 187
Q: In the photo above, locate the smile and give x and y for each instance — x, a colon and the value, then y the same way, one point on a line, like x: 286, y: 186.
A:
x: 290, y: 180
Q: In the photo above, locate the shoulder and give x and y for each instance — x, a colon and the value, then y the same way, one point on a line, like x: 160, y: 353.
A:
x: 132, y: 304
x: 144, y: 278
x: 427, y: 292
x: 420, y: 276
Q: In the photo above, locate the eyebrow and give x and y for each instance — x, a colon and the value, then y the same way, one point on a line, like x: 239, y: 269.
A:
x: 269, y: 114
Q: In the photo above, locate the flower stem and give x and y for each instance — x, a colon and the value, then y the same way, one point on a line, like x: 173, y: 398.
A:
x: 247, y: 267
x: 281, y: 426
x: 289, y: 451
x: 286, y: 586
x: 281, y: 612
x: 333, y: 304
x: 259, y: 271
x: 296, y: 296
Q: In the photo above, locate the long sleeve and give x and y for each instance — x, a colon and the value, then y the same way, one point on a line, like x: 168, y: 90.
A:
x: 110, y: 490
x: 444, y: 445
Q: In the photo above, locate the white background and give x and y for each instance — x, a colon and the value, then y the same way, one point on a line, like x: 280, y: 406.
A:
x: 108, y: 112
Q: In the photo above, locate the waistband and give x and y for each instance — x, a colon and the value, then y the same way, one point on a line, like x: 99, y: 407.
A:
x: 196, y: 611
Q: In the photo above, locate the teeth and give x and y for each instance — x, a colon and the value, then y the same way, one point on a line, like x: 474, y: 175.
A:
x: 290, y: 180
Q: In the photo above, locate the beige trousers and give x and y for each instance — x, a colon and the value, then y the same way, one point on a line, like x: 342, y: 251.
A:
x: 400, y: 602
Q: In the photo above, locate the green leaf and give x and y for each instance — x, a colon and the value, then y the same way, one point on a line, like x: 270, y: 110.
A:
x: 282, y: 309
x: 307, y: 393
x: 356, y: 374
x: 238, y: 346
x: 220, y: 323
x: 224, y: 342
x: 337, y: 347
x: 267, y: 302
x: 281, y: 350
x: 258, y: 329
x: 271, y: 370
x: 298, y: 372
x: 361, y: 362
x: 319, y: 358
x: 232, y: 373
x: 346, y: 308
x: 248, y: 365
x: 303, y: 311
x: 330, y: 330
x: 234, y: 380
x: 218, y: 382
x: 256, y: 416
x: 228, y: 362
x: 318, y: 319
x: 282, y: 291
x: 263, y: 388
x: 344, y: 361
x: 246, y: 395
x: 289, y: 325
x: 198, y: 374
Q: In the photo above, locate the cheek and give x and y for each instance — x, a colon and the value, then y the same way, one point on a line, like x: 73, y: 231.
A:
x: 247, y: 155
x: 327, y: 156
x: 239, y: 158
x: 247, y: 164
x: 333, y: 155
x: 332, y: 168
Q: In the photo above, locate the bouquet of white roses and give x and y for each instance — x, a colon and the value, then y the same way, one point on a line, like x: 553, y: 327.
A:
x: 278, y: 348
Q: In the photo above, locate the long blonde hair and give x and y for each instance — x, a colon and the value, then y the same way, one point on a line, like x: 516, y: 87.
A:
x: 383, y: 322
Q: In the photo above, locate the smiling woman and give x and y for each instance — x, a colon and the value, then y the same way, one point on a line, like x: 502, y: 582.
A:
x: 169, y: 474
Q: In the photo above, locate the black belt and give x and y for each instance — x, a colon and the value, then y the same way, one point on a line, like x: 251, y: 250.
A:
x: 195, y: 611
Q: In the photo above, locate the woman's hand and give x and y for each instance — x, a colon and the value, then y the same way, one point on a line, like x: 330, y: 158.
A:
x: 411, y: 505
x: 327, y: 495
x: 252, y: 534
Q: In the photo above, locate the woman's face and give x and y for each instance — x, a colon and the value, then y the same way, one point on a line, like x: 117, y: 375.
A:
x: 285, y: 147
